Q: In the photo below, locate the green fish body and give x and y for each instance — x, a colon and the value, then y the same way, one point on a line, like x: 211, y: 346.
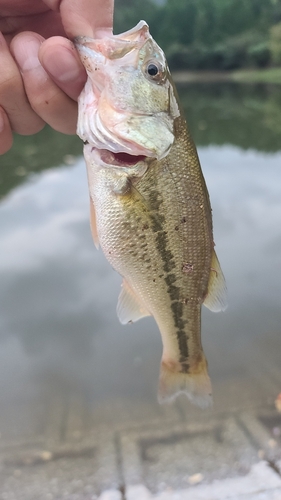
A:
x: 150, y: 209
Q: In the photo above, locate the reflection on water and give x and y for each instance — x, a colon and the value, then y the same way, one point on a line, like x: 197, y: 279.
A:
x: 34, y: 154
x: 58, y: 294
x: 247, y: 116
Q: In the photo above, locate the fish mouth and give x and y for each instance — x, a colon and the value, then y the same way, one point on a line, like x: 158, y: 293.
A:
x: 120, y: 159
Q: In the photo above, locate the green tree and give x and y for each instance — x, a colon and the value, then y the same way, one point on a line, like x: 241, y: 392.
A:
x: 206, y: 34
x: 275, y: 43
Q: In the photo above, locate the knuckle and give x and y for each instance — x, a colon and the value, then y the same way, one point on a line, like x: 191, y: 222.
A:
x: 47, y: 99
x: 56, y: 109
x: 9, y: 84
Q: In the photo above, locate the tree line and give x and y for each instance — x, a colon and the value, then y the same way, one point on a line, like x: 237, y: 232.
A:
x: 209, y: 34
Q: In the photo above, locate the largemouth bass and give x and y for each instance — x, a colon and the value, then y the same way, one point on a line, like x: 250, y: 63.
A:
x: 150, y: 209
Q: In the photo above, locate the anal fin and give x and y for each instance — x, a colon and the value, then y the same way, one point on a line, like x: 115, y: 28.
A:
x: 129, y: 307
x: 216, y: 299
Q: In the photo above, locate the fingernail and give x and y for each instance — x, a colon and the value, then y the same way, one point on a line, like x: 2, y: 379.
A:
x: 63, y: 67
x: 26, y: 53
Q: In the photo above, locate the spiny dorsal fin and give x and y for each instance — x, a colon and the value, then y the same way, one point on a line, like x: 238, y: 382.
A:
x: 216, y: 297
x: 93, y: 223
x: 129, y: 307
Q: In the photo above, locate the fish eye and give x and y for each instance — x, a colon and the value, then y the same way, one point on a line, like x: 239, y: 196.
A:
x: 154, y: 71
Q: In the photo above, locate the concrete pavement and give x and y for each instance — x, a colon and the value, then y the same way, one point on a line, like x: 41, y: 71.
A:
x: 62, y: 445
x: 219, y: 456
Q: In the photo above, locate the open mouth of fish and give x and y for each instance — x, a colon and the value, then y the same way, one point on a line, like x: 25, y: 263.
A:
x: 120, y: 159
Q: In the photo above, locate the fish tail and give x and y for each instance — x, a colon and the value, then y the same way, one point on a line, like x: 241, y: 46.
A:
x: 195, y: 384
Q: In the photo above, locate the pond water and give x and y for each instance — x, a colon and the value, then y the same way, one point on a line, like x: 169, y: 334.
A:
x: 59, y: 333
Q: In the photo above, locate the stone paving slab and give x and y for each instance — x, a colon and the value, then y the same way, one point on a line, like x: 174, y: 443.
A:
x: 70, y: 471
x: 111, y: 495
x: 262, y: 483
x: 264, y: 430
x: 161, y: 453
x: 161, y: 457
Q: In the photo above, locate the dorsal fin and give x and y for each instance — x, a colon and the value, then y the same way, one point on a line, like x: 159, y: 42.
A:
x: 93, y: 224
x: 129, y: 306
x: 216, y: 297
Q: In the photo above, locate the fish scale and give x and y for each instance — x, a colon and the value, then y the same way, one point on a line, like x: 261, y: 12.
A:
x: 152, y: 216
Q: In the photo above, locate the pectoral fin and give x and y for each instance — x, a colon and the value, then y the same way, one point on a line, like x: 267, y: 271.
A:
x: 129, y: 307
x: 216, y: 297
x: 93, y: 224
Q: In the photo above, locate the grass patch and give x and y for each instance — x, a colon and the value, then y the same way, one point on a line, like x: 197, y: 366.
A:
x: 272, y: 75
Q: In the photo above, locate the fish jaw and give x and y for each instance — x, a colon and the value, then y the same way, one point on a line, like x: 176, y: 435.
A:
x: 130, y: 165
x: 122, y: 169
x: 121, y: 105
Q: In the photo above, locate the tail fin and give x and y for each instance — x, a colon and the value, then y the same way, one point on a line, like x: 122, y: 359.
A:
x: 195, y: 385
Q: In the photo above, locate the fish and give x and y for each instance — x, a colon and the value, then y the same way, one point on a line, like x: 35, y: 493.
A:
x: 149, y: 205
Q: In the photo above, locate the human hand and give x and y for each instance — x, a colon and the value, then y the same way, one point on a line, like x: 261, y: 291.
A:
x: 44, y: 84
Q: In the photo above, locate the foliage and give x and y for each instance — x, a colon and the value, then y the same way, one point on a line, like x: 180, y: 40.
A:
x: 275, y: 43
x: 247, y: 116
x: 210, y: 34
x: 246, y: 50
x: 269, y: 75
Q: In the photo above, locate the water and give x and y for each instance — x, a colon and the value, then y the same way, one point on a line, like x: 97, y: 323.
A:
x: 59, y: 334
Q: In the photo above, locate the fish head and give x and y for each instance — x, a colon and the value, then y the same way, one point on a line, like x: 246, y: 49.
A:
x: 128, y: 105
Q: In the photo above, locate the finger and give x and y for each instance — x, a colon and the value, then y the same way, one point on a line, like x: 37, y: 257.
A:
x: 20, y: 7
x: 12, y: 95
x: 45, y: 97
x: 85, y: 17
x: 6, y: 136
x: 46, y: 24
x: 61, y: 61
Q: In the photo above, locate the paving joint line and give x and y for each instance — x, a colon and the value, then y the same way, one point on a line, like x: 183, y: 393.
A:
x: 122, y: 490
x: 273, y: 466
x: 254, y: 442
x: 119, y: 465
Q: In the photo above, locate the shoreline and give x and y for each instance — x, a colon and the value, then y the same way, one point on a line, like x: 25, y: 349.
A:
x: 270, y: 75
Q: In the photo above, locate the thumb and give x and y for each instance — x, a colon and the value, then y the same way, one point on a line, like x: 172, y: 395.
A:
x: 92, y: 18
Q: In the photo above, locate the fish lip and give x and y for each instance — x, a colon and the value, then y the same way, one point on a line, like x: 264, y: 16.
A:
x: 141, y: 31
x: 81, y: 48
x: 121, y: 159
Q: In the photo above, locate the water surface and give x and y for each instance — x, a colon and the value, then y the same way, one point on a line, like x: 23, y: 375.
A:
x: 59, y: 333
